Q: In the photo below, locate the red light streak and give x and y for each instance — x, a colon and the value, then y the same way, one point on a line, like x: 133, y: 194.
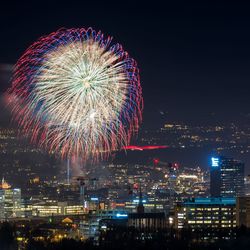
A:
x: 141, y: 148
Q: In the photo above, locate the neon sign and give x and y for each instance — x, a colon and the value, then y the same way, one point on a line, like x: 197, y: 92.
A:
x: 215, y: 161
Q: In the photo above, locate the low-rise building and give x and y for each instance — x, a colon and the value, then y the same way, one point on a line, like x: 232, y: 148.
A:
x: 207, y: 217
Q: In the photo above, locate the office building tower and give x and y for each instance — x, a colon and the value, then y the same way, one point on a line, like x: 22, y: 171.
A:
x: 226, y: 177
x: 10, y: 202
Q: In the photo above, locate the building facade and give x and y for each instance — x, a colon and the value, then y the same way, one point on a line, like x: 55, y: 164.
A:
x: 226, y: 177
x: 10, y: 203
x: 243, y: 211
x: 206, y: 215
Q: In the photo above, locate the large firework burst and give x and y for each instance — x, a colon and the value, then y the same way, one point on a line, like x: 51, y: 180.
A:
x: 77, y: 94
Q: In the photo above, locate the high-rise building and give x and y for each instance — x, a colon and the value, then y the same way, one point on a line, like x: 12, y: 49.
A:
x: 10, y: 201
x: 226, y: 177
x: 215, y: 177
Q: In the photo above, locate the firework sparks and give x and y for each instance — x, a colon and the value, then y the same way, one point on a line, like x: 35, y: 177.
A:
x: 77, y: 94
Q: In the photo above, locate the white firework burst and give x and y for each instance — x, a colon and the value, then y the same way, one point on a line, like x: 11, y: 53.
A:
x: 85, y: 98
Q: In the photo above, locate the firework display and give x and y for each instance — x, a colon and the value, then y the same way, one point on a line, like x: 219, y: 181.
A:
x: 77, y: 94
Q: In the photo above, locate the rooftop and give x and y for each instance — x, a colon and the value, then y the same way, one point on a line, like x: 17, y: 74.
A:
x: 211, y: 201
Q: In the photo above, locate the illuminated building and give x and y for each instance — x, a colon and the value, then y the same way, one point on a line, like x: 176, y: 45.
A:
x: 147, y: 221
x: 10, y: 202
x: 215, y: 177
x: 141, y: 221
x: 243, y: 211
x: 206, y: 214
x: 54, y: 209
x: 247, y: 185
x: 226, y: 177
x: 4, y: 184
x: 94, y: 221
x: 232, y: 178
x: 149, y: 206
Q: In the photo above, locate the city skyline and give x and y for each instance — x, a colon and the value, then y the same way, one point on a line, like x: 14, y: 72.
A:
x: 191, y: 57
x: 139, y: 141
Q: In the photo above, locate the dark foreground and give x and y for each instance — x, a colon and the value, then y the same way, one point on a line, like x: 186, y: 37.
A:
x: 127, y: 239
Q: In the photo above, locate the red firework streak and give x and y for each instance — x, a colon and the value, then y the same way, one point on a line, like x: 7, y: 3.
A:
x: 141, y: 148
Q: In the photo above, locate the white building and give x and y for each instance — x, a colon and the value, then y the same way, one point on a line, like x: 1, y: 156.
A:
x: 10, y: 201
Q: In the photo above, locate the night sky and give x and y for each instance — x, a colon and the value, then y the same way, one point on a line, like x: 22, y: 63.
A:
x: 194, y: 59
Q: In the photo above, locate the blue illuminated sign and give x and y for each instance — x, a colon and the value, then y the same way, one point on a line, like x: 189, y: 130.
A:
x: 94, y: 199
x: 137, y: 201
x: 121, y: 215
x: 215, y: 161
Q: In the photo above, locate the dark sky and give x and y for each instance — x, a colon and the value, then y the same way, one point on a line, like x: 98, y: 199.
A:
x: 194, y: 58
